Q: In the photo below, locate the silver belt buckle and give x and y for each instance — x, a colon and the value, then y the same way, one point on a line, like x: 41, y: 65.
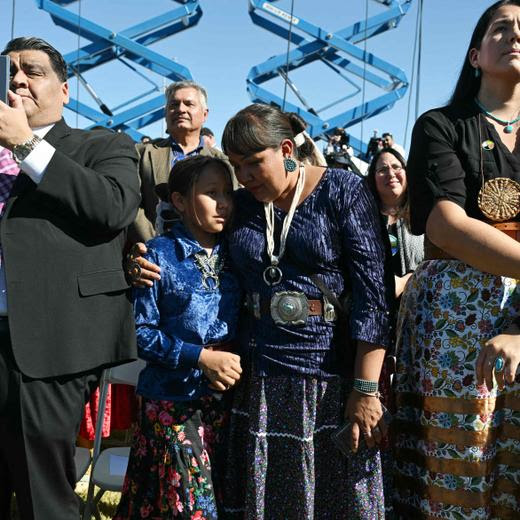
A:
x: 289, y: 308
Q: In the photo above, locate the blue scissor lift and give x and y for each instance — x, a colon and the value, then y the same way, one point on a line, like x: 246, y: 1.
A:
x: 339, y: 51
x: 129, y: 47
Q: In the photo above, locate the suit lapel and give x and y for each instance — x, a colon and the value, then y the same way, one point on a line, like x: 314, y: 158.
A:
x: 57, y: 132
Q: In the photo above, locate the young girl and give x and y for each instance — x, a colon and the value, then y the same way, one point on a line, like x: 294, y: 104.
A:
x: 184, y: 325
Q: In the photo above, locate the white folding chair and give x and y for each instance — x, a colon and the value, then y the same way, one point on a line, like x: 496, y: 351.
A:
x: 81, y: 461
x: 109, y: 466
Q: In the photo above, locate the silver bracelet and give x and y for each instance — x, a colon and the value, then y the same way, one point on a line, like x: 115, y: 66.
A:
x: 370, y: 394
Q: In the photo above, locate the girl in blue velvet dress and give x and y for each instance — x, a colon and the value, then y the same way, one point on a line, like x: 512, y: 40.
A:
x: 184, y: 326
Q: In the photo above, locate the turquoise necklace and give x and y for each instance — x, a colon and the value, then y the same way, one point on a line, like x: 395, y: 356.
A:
x: 508, y: 129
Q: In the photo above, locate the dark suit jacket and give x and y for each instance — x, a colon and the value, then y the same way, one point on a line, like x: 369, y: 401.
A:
x: 68, y: 303
x: 154, y: 168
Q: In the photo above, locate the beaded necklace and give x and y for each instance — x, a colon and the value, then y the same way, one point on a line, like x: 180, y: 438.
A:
x: 508, y: 129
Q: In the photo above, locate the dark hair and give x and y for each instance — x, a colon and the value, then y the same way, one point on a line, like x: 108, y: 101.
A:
x: 206, y: 131
x: 101, y: 128
x: 371, y: 178
x: 37, y: 44
x: 258, y: 127
x: 185, y: 174
x: 468, y: 84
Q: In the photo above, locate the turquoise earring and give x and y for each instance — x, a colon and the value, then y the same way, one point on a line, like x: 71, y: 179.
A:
x: 290, y: 164
x: 477, y: 72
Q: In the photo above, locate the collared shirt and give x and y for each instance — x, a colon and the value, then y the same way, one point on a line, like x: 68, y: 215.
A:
x: 177, y: 153
x: 34, y: 166
x: 178, y: 315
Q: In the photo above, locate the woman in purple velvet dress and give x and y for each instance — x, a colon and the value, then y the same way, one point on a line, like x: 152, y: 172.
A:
x: 296, y: 223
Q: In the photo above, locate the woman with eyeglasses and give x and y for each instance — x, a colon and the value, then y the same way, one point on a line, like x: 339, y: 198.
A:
x: 387, y: 180
x: 458, y: 335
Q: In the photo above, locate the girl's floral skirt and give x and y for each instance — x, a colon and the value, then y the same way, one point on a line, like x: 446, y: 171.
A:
x: 457, y: 444
x: 281, y: 461
x: 169, y: 474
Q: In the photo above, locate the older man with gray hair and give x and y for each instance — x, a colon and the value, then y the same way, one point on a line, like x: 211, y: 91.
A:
x: 186, y: 111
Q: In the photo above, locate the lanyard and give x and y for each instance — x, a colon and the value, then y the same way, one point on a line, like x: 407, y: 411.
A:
x: 273, y: 274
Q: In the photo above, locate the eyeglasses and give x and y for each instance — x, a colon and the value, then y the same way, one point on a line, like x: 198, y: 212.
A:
x: 396, y: 168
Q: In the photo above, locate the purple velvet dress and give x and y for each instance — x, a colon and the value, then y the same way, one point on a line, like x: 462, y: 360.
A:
x: 282, y: 462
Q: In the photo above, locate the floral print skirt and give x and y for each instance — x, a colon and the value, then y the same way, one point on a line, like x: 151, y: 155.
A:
x: 281, y: 461
x: 169, y: 474
x: 457, y: 443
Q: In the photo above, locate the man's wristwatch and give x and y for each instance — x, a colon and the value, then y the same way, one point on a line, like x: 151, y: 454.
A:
x: 21, y: 151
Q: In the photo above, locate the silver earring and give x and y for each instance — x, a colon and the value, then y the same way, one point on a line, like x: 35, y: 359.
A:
x: 477, y: 72
x: 289, y: 164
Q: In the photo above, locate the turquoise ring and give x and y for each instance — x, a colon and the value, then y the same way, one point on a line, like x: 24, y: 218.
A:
x: 499, y: 364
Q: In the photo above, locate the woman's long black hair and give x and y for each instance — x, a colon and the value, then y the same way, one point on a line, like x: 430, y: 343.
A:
x: 468, y: 84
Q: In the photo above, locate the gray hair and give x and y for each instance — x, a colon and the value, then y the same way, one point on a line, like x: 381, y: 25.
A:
x: 173, y: 87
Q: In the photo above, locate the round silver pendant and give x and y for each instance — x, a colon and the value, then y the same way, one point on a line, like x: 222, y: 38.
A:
x: 272, y: 275
x: 289, y: 308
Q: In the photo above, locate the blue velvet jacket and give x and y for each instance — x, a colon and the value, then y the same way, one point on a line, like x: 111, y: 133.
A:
x: 178, y: 315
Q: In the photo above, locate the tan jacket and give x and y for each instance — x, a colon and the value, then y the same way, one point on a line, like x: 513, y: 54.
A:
x: 154, y: 168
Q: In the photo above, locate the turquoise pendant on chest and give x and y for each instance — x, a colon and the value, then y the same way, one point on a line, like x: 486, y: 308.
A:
x: 508, y: 129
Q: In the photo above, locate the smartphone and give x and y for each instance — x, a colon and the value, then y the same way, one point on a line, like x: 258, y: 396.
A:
x: 5, y: 66
x: 341, y: 437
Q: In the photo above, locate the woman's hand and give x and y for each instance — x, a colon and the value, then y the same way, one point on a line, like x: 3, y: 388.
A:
x: 506, y: 346
x: 365, y: 414
x: 142, y: 273
x: 221, y: 368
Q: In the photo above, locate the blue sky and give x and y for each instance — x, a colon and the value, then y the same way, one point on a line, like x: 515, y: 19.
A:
x: 225, y: 44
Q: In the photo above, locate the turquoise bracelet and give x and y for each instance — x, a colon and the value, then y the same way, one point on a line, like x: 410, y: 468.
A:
x: 366, y: 387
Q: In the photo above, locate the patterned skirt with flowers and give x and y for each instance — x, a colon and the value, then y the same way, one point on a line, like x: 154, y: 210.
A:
x: 169, y: 473
x: 457, y: 443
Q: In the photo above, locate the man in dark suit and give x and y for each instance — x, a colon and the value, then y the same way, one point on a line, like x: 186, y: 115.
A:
x: 64, y: 308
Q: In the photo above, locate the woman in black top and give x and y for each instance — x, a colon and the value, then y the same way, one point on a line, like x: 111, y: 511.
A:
x: 458, y: 434
x: 388, y: 182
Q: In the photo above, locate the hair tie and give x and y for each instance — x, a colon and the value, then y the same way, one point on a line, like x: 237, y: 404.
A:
x: 299, y: 139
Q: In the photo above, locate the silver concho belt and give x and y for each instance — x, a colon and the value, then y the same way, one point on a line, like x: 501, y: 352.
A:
x: 289, y: 308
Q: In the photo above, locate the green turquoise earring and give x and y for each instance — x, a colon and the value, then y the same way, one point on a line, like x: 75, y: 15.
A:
x: 290, y: 164
x: 477, y: 72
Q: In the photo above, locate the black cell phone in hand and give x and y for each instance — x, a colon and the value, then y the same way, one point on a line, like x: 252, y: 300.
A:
x: 341, y: 437
x: 5, y: 66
